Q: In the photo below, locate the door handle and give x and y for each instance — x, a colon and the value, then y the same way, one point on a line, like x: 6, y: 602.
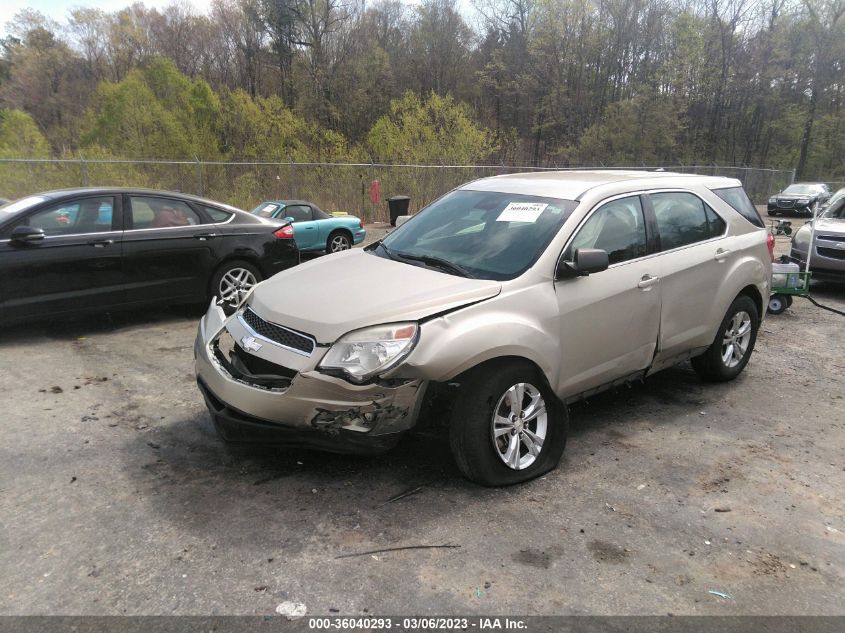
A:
x: 101, y: 243
x: 721, y: 254
x: 204, y: 236
x: 647, y: 281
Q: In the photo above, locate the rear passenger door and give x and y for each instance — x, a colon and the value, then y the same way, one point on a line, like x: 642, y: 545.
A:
x: 694, y: 258
x: 169, y: 249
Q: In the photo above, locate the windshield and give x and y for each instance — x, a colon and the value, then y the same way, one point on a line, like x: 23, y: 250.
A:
x: 266, y: 209
x: 803, y: 189
x: 836, y: 211
x: 22, y: 204
x: 481, y: 234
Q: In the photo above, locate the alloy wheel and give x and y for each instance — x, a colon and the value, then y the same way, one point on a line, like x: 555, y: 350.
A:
x: 519, y: 425
x: 736, y: 339
x: 235, y: 284
x: 339, y: 243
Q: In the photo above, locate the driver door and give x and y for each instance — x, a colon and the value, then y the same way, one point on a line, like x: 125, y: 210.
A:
x: 609, y: 320
x: 305, y: 230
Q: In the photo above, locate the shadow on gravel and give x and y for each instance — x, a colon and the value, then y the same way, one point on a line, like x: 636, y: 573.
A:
x: 69, y: 328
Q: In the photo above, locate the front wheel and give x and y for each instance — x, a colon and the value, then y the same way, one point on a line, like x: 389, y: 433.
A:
x: 337, y: 242
x: 728, y: 355
x: 507, y: 426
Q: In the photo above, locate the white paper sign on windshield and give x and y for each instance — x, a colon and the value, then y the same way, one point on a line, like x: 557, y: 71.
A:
x: 522, y: 212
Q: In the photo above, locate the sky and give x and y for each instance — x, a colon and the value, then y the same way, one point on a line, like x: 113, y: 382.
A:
x: 58, y: 9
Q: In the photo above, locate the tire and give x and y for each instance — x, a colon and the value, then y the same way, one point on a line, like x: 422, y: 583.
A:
x: 232, y: 279
x: 487, y: 390
x: 777, y: 304
x: 712, y: 365
x: 788, y: 301
x: 338, y: 241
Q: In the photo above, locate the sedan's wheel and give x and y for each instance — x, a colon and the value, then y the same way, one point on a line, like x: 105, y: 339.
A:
x: 232, y: 281
x: 507, y: 426
x: 777, y: 304
x: 338, y: 242
x: 729, y: 353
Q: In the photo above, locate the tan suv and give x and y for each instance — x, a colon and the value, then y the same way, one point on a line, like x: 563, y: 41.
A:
x: 490, y: 310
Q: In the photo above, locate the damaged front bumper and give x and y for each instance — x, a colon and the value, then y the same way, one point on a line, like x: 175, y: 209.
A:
x: 273, y: 394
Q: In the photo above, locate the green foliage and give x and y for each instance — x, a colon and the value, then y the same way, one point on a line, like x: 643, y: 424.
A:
x: 632, y: 132
x: 439, y: 130
x: 20, y: 136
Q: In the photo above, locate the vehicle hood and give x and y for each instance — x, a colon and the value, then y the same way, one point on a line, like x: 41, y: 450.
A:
x: 797, y: 196
x: 335, y: 294
x: 829, y: 226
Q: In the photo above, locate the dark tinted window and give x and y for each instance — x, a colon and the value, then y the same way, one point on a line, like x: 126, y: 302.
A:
x: 159, y: 213
x: 681, y: 219
x: 738, y: 199
x: 299, y: 212
x: 618, y: 227
x: 715, y: 223
x: 89, y: 215
x: 217, y: 215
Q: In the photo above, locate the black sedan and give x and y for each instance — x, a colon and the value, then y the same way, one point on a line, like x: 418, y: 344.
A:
x: 799, y: 199
x: 103, y: 248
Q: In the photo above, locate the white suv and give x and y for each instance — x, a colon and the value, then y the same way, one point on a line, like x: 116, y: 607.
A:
x: 508, y: 298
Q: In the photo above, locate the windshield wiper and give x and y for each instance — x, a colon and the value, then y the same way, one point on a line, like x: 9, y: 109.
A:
x: 436, y: 262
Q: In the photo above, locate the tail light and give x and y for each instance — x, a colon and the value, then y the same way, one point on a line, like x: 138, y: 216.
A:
x: 285, y: 232
x: 360, y: 224
x: 770, y: 244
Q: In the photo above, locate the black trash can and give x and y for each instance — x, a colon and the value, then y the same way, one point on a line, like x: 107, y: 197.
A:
x: 398, y: 205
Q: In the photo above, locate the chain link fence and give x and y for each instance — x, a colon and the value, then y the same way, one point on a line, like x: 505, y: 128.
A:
x: 332, y: 186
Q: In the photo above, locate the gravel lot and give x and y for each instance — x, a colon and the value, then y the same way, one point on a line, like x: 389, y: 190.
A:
x: 117, y: 498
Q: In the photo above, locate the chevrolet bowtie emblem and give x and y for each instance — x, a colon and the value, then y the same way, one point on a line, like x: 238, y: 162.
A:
x: 250, y: 343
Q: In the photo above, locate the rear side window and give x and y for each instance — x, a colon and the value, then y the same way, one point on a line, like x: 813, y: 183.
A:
x: 160, y: 213
x: 217, y: 215
x: 683, y: 219
x: 738, y: 199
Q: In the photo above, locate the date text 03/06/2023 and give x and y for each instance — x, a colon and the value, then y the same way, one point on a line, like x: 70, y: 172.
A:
x: 420, y: 623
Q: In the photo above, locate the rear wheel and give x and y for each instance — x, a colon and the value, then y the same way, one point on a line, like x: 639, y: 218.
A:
x: 730, y: 351
x: 337, y: 242
x: 232, y: 281
x: 507, y: 426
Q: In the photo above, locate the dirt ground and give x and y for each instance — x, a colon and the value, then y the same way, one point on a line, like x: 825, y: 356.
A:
x: 116, y: 497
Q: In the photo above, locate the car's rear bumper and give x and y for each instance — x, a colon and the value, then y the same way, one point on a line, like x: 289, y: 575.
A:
x: 280, y: 255
x: 359, y: 236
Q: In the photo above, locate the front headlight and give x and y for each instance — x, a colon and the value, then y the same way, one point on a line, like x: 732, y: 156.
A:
x: 803, y: 200
x: 364, y: 353
x: 801, y: 239
x: 772, y: 200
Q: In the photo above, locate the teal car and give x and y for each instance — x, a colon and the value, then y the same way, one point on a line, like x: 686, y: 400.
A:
x: 313, y: 228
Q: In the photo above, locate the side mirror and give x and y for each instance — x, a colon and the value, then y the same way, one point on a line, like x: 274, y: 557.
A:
x: 585, y: 262
x: 27, y: 235
x: 290, y: 219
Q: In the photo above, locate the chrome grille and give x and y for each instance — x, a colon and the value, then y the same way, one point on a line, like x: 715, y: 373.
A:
x: 786, y: 204
x: 277, y: 333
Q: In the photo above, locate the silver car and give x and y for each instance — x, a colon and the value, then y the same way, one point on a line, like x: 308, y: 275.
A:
x: 827, y: 261
x: 491, y: 310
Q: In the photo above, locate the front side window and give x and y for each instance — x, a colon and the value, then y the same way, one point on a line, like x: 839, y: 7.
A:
x: 483, y: 234
x: 836, y: 210
x: 683, y: 219
x: 88, y: 215
x: 158, y: 213
x: 617, y: 227
x: 299, y: 212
